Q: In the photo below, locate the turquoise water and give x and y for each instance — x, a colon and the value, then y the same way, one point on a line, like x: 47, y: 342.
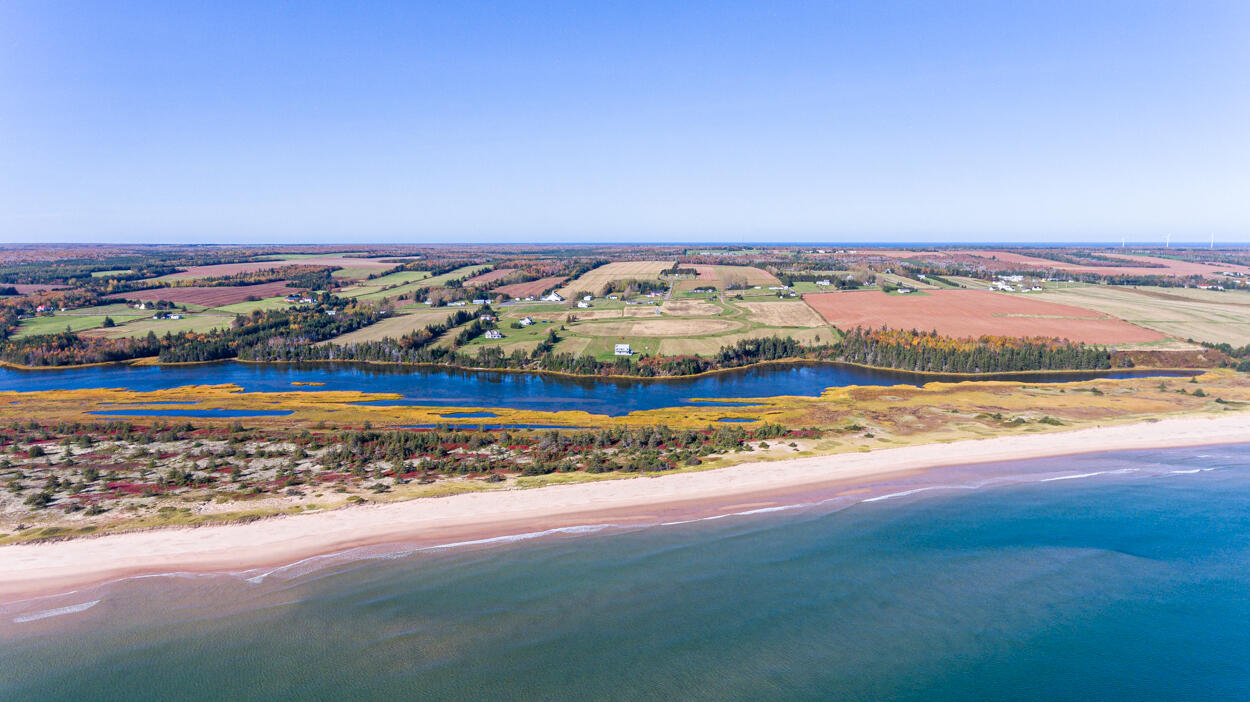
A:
x: 1115, y: 577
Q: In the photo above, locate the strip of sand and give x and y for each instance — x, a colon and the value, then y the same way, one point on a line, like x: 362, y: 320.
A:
x: 40, y: 568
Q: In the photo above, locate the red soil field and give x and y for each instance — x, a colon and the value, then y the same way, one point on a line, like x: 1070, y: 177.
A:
x: 1170, y: 267
x: 973, y: 313
x: 534, y: 287
x: 1011, y: 258
x: 212, y: 297
x: 488, y: 277
x: 253, y: 266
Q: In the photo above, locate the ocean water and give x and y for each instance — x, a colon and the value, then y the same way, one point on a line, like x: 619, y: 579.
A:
x: 1118, y: 576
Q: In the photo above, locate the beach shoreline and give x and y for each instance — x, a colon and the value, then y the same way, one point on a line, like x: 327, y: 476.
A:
x: 39, y: 569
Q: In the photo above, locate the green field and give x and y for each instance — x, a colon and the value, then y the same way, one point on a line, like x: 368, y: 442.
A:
x: 681, y: 326
x: 189, y: 323
x: 458, y: 273
x: 403, y: 282
x: 55, y: 325
x: 269, y: 303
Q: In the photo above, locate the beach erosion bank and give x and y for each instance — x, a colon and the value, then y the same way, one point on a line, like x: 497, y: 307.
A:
x: 252, y: 549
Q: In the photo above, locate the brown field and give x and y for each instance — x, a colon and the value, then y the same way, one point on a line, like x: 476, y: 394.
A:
x: 253, y: 266
x: 593, y: 281
x: 657, y: 327
x: 717, y: 275
x: 689, y: 308
x: 973, y: 313
x: 212, y: 297
x: 488, y: 277
x: 394, y: 326
x: 1185, y: 313
x: 1170, y: 267
x: 782, y: 314
x: 534, y: 287
x: 633, y: 311
x: 708, y: 345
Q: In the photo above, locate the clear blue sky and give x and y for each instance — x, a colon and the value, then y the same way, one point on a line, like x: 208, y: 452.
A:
x: 632, y: 121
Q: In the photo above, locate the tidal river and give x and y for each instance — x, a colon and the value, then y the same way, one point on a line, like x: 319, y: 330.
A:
x: 458, y: 388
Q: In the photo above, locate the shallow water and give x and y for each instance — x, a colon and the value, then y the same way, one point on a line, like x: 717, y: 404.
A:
x: 456, y: 388
x: 1120, y: 576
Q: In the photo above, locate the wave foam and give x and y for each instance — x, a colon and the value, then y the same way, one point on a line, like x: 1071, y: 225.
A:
x: 47, y: 613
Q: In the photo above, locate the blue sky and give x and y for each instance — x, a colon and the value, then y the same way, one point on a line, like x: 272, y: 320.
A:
x: 631, y: 121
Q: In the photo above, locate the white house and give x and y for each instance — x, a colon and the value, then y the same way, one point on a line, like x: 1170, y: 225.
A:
x: 493, y: 334
x: 526, y: 322
x: 587, y: 298
x: 553, y: 297
x: 583, y: 304
x: 623, y: 350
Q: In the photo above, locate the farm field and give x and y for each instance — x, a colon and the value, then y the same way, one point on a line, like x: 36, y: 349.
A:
x: 212, y: 296
x: 246, y: 307
x: 490, y: 277
x: 395, y: 326
x: 1186, y: 313
x: 458, y: 273
x: 720, y: 277
x: 199, y: 322
x: 784, y: 313
x: 891, y: 278
x: 34, y: 326
x: 669, y: 328
x: 391, y: 285
x: 974, y: 313
x: 532, y: 288
x: 348, y: 263
x: 710, y: 345
x: 594, y: 280
x: 1169, y: 266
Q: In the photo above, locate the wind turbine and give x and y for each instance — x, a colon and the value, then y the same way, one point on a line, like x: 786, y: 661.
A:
x: 1167, y: 243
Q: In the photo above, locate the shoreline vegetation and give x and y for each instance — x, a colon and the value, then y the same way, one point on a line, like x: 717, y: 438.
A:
x: 69, y: 471
x: 989, y: 375
x: 34, y: 569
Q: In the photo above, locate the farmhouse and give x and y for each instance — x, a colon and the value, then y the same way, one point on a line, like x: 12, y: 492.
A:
x: 583, y: 304
x: 553, y: 297
x: 525, y: 322
x: 493, y: 334
x: 623, y: 350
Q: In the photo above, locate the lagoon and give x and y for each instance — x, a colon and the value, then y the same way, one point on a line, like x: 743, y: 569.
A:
x: 430, y: 386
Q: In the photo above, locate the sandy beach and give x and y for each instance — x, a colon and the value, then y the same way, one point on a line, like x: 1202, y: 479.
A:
x: 32, y: 569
